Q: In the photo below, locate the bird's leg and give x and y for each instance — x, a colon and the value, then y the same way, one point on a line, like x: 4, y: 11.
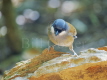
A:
x: 74, y: 52
x: 51, y: 47
x: 71, y: 48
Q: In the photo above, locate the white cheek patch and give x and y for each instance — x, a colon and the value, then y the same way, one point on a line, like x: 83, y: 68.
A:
x: 52, y: 29
x: 62, y: 33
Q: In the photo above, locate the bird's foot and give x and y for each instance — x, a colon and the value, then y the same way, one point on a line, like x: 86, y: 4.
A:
x: 74, y: 52
x: 49, y: 48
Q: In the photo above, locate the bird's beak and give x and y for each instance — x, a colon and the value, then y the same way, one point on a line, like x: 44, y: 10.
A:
x: 56, y: 33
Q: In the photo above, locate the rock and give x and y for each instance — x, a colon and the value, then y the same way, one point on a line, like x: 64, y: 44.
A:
x: 67, y: 61
x: 31, y: 53
x: 103, y: 48
x: 25, y: 68
x: 53, y: 65
x: 89, y: 71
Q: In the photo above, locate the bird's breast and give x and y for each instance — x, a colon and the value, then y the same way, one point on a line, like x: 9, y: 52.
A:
x: 63, y: 39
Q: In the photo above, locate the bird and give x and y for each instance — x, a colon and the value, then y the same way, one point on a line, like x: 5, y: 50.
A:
x: 62, y: 33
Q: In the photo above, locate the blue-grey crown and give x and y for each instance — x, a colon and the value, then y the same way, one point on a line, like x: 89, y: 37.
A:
x: 59, y: 26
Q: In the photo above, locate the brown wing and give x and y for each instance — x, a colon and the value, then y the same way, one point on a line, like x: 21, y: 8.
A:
x: 72, y: 29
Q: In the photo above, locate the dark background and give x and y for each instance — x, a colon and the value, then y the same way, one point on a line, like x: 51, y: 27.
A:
x: 23, y: 26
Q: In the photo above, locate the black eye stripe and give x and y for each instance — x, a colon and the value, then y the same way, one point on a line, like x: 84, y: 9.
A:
x: 59, y: 31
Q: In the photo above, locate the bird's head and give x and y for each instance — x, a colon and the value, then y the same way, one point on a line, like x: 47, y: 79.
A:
x: 59, y: 25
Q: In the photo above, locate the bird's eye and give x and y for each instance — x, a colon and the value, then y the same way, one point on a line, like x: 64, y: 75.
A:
x: 59, y: 31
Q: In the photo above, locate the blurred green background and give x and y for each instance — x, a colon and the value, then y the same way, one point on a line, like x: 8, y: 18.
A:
x: 23, y: 26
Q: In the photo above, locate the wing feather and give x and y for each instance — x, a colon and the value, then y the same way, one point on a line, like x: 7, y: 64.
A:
x: 72, y: 29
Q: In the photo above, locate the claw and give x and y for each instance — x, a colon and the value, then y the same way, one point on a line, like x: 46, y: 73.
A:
x: 74, y: 52
x: 71, y: 48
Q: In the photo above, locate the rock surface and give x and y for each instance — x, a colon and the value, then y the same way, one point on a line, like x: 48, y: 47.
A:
x: 89, y: 71
x: 53, y: 65
x: 26, y: 68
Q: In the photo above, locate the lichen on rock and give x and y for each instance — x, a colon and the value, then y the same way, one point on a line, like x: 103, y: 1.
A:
x: 67, y: 61
x: 60, y: 65
x: 24, y: 68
